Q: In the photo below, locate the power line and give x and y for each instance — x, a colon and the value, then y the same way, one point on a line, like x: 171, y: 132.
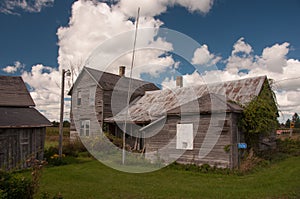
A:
x: 292, y: 78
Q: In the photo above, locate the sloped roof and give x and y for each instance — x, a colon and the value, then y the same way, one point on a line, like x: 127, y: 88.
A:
x: 154, y: 104
x: 207, y: 104
x: 13, y: 92
x: 15, y: 117
x: 109, y: 81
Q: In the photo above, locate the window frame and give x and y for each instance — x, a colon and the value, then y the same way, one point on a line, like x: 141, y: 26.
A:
x: 85, y: 126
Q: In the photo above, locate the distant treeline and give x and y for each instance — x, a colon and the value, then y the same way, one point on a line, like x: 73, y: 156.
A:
x: 294, y: 120
x: 65, y: 124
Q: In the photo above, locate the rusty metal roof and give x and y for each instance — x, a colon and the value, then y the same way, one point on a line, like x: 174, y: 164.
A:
x: 21, y: 117
x: 207, y: 104
x: 13, y: 92
x: 155, y: 104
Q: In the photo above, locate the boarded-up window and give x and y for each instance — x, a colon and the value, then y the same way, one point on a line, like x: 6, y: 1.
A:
x: 79, y: 98
x: 92, y: 96
x: 85, y: 128
x: 184, y: 136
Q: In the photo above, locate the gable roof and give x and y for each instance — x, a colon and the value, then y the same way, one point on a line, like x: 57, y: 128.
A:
x: 13, y: 92
x: 154, y: 104
x: 109, y: 81
x: 21, y: 117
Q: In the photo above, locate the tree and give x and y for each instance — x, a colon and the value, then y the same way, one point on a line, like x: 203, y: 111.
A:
x: 66, y: 123
x: 288, y: 123
x: 55, y: 123
x: 296, y: 120
x: 259, y: 117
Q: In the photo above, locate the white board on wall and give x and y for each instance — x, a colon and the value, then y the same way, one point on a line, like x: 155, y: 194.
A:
x: 184, y: 136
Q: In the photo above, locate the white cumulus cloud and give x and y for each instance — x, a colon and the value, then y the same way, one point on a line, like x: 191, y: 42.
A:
x: 45, y: 83
x: 91, y: 24
x: 273, y: 62
x: 156, y: 7
x: 202, y: 56
x: 12, y: 6
x: 12, y: 69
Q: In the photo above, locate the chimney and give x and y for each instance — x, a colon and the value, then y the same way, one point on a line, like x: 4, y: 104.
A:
x: 122, y: 71
x: 179, y: 81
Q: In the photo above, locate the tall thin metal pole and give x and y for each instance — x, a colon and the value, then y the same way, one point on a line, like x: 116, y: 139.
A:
x: 129, y: 89
x: 61, y: 113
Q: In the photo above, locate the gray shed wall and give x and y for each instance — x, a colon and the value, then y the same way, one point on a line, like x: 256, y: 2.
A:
x: 19, y: 144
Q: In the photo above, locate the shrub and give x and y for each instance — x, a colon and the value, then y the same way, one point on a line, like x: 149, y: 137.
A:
x: 70, y: 150
x: 73, y: 148
x: 289, y: 146
x: 15, y: 186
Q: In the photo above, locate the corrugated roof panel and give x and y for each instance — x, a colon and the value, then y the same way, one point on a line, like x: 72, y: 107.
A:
x: 159, y: 102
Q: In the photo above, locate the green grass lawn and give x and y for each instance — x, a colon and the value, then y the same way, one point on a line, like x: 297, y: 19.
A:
x: 91, y: 179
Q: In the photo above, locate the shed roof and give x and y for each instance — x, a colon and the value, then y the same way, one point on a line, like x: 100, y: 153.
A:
x: 154, y: 104
x: 21, y: 117
x: 13, y: 92
x: 109, y: 81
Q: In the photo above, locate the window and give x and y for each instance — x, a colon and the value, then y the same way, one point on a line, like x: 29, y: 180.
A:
x: 85, y: 128
x: 184, y: 136
x: 24, y: 144
x: 92, y: 96
x: 79, y: 98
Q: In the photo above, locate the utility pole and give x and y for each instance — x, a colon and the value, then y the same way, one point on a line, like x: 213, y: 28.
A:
x: 62, y: 99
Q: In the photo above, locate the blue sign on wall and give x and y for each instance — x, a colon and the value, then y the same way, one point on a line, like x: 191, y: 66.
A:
x: 242, y: 145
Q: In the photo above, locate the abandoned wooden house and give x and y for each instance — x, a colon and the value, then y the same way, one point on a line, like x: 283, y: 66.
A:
x: 22, y: 127
x: 93, y: 94
x: 196, y: 124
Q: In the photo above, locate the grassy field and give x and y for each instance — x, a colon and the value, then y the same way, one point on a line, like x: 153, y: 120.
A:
x: 52, y: 135
x: 91, y: 179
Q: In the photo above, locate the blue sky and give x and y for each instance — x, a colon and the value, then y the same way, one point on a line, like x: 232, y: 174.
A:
x: 31, y: 37
x: 261, y: 23
x: 240, y: 37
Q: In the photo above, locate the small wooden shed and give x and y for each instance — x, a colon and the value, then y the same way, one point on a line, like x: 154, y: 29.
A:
x: 22, y: 127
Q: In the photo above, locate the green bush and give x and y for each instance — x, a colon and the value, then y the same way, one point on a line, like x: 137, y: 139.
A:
x: 289, y: 146
x: 14, y: 186
x: 70, y: 150
x: 73, y: 148
x: 284, y: 148
x: 204, y: 168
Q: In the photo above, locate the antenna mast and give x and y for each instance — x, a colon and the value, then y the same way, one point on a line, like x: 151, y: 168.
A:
x: 130, y: 82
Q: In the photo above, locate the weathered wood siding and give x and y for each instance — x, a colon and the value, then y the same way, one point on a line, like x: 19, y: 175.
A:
x: 216, y: 157
x: 86, y: 110
x: 107, y: 104
x: 17, y: 145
